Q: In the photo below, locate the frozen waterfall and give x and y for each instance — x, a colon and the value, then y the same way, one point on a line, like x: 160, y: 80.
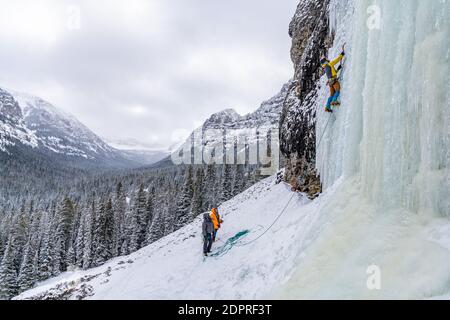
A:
x: 384, y: 157
x: 392, y: 131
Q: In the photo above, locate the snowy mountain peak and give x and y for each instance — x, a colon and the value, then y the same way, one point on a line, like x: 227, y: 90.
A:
x: 222, y: 118
x: 9, y: 108
x: 13, y: 129
x: 29, y: 121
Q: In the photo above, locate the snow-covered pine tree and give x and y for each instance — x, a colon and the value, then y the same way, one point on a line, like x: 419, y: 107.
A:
x: 99, y: 243
x: 198, y: 203
x: 227, y: 183
x: 45, y: 269
x: 109, y: 229
x: 20, y: 235
x: 79, y: 241
x: 127, y: 232
x: 170, y: 218
x: 62, y: 236
x: 156, y: 230
x: 133, y: 230
x: 36, y: 265
x: 142, y: 216
x: 184, y: 207
x: 88, y: 245
x: 104, y: 233
x: 71, y: 259
x: 27, y: 276
x: 150, y: 209
x: 8, y: 274
x: 211, y: 184
x: 239, y: 182
x: 120, y: 207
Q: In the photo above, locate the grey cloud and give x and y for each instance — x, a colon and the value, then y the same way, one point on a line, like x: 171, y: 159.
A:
x: 179, y: 60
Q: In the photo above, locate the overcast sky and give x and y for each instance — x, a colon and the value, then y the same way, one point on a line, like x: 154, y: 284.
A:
x: 143, y: 69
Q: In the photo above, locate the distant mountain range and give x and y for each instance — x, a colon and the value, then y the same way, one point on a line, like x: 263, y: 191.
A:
x: 265, y: 118
x: 34, y: 126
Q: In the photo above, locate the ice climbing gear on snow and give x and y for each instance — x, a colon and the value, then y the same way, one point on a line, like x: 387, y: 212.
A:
x: 229, y: 244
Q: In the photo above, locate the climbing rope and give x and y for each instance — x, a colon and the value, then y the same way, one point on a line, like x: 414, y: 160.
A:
x: 229, y: 244
x: 271, y: 226
x: 323, y: 133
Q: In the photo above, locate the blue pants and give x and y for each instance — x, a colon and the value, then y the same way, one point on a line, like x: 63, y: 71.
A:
x: 335, y: 92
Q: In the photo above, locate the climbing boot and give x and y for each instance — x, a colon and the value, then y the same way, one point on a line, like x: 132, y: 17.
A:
x: 336, y: 103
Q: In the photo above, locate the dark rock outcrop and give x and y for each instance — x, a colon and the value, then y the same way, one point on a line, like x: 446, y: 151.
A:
x: 310, y: 35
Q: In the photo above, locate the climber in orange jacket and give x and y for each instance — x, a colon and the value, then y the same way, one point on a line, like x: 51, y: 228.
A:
x: 217, y: 221
x: 333, y: 81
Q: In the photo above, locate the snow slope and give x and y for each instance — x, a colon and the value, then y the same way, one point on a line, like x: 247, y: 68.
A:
x: 173, y: 268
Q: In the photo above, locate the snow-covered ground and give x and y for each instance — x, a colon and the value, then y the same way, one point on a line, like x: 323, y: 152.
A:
x: 319, y: 249
x: 174, y: 267
x: 383, y: 218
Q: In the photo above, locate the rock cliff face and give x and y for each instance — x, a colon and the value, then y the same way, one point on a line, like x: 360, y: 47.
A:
x: 310, y: 35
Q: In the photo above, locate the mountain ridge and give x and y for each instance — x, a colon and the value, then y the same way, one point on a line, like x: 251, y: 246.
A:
x: 30, y: 122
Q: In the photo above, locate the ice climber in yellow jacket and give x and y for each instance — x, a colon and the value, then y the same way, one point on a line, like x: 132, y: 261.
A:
x: 331, y: 71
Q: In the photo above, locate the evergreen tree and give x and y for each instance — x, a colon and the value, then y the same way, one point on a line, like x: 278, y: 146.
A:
x: 27, y: 276
x: 127, y: 232
x: 80, y: 241
x: 62, y: 236
x: 156, y: 230
x: 239, y: 182
x: 185, y: 201
x: 71, y: 257
x: 20, y: 235
x: 120, y: 207
x: 104, y: 231
x: 227, y: 184
x: 87, y: 250
x: 8, y: 275
x: 150, y: 208
x: 133, y: 231
x: 198, y: 205
x: 142, y: 216
x: 45, y: 269
x: 211, y: 186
